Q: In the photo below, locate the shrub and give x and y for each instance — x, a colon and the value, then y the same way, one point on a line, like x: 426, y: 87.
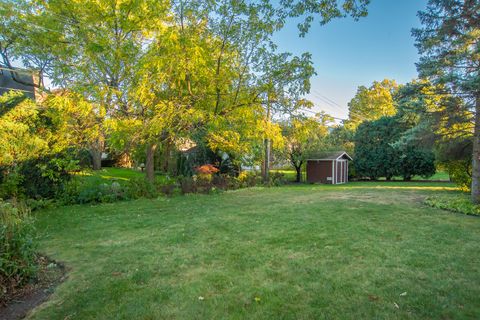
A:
x: 416, y: 161
x: 96, y: 190
x: 249, y: 179
x: 187, y: 185
x: 168, y: 186
x: 203, y: 183
x: 141, y: 188
x: 221, y: 181
x: 277, y: 179
x: 81, y: 191
x: 460, y: 172
x: 44, y: 177
x: 10, y: 183
x: 206, y: 169
x: 458, y: 203
x: 17, y: 247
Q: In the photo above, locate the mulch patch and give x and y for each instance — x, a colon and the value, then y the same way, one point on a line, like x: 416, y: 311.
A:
x: 19, y: 302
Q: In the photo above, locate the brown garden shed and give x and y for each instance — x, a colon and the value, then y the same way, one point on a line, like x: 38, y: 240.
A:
x: 329, y: 168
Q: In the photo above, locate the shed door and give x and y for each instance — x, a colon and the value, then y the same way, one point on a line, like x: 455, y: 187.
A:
x: 341, y: 171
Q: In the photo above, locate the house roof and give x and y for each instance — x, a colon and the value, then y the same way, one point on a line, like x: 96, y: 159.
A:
x: 17, y: 80
x: 331, y: 155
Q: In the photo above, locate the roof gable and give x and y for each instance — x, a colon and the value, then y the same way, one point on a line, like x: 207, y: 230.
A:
x: 332, y: 155
x: 17, y: 80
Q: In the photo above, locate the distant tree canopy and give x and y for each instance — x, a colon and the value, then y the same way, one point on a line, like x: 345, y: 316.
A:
x: 372, y: 103
x: 377, y: 153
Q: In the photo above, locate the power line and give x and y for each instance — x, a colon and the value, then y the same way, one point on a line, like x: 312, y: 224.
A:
x: 334, y: 104
x: 327, y: 98
x: 313, y: 112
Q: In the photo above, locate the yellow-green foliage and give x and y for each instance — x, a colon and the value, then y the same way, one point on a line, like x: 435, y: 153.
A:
x: 372, y: 103
x: 459, y: 203
x: 22, y: 133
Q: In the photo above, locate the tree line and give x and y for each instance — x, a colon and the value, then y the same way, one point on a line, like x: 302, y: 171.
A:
x: 142, y: 78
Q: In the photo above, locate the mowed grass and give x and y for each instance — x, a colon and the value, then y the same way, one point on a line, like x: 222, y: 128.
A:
x: 109, y: 174
x: 355, y: 251
x: 291, y: 175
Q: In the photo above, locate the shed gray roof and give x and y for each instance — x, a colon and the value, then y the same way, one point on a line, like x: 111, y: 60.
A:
x: 331, y: 155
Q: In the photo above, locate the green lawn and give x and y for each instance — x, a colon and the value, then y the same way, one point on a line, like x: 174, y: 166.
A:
x: 291, y: 175
x: 121, y: 174
x: 355, y: 251
x: 109, y: 173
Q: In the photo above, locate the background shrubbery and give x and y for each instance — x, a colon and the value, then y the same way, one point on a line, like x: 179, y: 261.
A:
x: 81, y: 190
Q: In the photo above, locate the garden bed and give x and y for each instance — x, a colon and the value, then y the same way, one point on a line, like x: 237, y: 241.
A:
x: 21, y: 301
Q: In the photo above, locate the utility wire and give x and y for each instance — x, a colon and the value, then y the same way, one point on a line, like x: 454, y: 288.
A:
x: 314, y: 112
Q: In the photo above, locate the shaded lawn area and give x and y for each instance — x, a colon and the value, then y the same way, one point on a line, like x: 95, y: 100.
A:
x: 355, y: 251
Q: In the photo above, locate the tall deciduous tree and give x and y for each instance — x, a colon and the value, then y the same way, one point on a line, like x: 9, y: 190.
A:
x: 449, y: 43
x: 372, y: 103
x: 325, y: 10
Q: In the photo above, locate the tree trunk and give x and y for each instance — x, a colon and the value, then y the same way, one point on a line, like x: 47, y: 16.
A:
x: 266, y: 162
x: 96, y: 152
x: 266, y: 169
x: 150, y: 163
x: 476, y: 155
x: 166, y: 157
x: 299, y: 173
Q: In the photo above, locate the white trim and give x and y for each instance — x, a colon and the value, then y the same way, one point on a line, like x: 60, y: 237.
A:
x: 343, y: 169
x: 338, y: 158
x: 344, y: 154
x: 333, y: 172
x: 346, y: 173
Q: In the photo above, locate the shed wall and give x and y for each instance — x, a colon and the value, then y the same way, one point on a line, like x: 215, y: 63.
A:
x: 319, y: 171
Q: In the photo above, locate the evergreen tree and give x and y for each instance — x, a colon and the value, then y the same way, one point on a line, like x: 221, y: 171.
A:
x: 449, y: 43
x: 374, y: 155
x: 379, y: 153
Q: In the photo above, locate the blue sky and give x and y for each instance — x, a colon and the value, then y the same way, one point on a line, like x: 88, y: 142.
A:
x: 348, y: 53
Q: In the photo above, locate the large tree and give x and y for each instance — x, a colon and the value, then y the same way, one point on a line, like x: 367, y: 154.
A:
x: 449, y: 43
x: 379, y: 151
x: 439, y: 120
x: 372, y: 103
